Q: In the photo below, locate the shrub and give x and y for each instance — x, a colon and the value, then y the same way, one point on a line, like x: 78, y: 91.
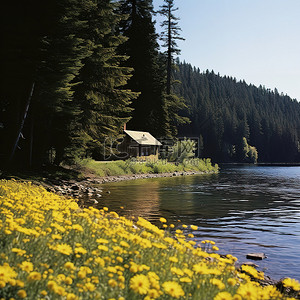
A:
x: 182, y: 150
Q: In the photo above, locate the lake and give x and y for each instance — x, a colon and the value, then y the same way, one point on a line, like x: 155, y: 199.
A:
x: 243, y: 209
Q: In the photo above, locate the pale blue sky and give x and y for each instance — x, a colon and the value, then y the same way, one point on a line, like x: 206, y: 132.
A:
x: 254, y: 40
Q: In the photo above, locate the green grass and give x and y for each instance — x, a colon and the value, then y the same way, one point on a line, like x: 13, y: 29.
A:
x: 129, y: 167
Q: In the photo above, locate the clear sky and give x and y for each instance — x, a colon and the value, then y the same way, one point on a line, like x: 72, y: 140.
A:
x: 254, y: 40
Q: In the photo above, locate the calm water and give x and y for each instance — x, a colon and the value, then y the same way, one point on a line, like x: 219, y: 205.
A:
x: 243, y: 209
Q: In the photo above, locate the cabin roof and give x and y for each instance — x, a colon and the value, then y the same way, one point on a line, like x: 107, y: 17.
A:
x: 143, y: 137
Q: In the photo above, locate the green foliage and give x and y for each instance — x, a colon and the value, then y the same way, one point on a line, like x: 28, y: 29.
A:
x: 101, y: 97
x: 175, y: 105
x: 120, y: 167
x: 70, y: 52
x: 251, y: 154
x: 223, y: 111
x: 182, y: 150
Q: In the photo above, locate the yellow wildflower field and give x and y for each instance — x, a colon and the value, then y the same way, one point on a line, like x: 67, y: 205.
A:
x: 52, y: 249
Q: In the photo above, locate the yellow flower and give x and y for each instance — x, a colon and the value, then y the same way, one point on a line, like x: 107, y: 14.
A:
x: 60, y: 290
x: 119, y: 259
x: 177, y: 271
x: 248, y: 291
x: 21, y: 294
x: 252, y: 271
x: 80, y: 250
x: 173, y: 289
x: 112, y: 283
x: 51, y: 285
x: 77, y: 227
x: 163, y: 220
x: 185, y: 279
x: 140, y: 284
x: 133, y: 268
x: 102, y: 247
x: 173, y: 259
x: 153, y: 294
x: 19, y: 252
x: 193, y: 227
x: 64, y: 249
x: 124, y: 244
x: 26, y: 266
x: 292, y: 283
x: 223, y: 296
x: 218, y: 283
x: 71, y: 296
x: 69, y: 265
x: 232, y: 281
x: 20, y: 283
x: 68, y: 280
x: 102, y: 241
x: 34, y: 276
x: 100, y: 261
x: 56, y: 236
x: 200, y: 268
x: 90, y: 287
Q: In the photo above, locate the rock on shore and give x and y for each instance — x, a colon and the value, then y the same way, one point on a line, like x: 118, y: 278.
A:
x: 89, y: 187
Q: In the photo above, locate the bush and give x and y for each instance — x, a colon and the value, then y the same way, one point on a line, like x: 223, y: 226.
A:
x: 182, y: 150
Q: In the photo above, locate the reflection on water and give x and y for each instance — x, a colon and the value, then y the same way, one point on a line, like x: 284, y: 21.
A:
x: 244, y: 209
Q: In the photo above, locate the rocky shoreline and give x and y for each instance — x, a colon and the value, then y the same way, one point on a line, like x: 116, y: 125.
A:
x: 90, y: 192
x: 89, y: 186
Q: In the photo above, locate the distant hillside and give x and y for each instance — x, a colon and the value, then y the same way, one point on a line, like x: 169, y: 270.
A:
x: 223, y: 111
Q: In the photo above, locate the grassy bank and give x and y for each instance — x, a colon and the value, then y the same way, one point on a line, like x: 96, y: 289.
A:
x: 128, y: 167
x: 51, y: 249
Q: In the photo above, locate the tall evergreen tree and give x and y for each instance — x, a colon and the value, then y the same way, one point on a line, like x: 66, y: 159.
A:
x: 62, y: 55
x: 150, y: 111
x: 169, y: 36
x: 103, y: 102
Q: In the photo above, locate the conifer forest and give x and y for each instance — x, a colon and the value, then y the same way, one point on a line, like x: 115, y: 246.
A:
x: 73, y: 72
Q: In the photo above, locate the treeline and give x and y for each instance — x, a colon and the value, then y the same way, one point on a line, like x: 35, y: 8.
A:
x: 73, y: 72
x: 229, y: 115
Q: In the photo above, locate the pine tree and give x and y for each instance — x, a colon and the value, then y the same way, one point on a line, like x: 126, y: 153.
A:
x: 48, y: 51
x: 62, y: 53
x: 150, y: 110
x: 101, y: 97
x: 169, y: 36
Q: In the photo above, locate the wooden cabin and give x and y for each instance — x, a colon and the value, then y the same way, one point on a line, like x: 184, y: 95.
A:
x: 140, y: 144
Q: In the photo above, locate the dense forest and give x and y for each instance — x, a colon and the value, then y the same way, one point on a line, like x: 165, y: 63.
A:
x: 73, y: 72
x: 227, y: 116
